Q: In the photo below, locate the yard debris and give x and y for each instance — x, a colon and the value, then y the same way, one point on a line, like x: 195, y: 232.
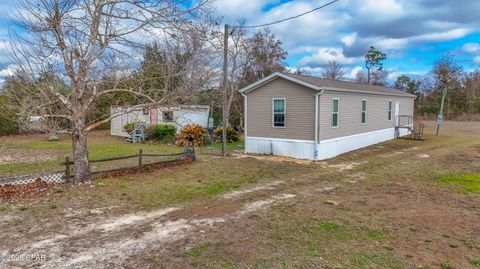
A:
x: 25, y: 191
x: 331, y: 202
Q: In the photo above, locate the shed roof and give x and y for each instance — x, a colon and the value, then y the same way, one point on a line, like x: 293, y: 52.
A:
x: 318, y: 83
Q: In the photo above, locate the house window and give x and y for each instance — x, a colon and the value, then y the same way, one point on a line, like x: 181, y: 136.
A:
x: 390, y: 104
x: 168, y: 116
x: 279, y: 112
x: 364, y: 111
x: 335, y: 113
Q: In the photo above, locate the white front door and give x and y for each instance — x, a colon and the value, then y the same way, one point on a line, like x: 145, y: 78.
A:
x: 397, y: 113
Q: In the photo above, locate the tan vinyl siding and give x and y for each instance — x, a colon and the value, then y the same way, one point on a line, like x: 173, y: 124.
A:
x: 350, y: 113
x: 300, y: 111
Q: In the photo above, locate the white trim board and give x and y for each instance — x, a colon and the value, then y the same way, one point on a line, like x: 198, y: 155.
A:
x: 281, y: 139
x: 275, y: 75
x: 284, y: 112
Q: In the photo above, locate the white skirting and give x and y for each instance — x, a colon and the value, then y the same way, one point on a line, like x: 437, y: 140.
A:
x: 333, y: 147
x: 300, y: 149
x: 303, y: 149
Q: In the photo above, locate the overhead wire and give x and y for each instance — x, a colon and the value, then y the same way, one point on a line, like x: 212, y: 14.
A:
x: 286, y: 19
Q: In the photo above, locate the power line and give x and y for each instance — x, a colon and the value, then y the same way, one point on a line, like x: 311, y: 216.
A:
x: 286, y: 19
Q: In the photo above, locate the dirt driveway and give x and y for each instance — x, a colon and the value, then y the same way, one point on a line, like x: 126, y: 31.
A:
x: 379, y: 207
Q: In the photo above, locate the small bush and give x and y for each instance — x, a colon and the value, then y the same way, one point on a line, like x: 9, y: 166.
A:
x: 163, y: 132
x: 194, y: 130
x: 129, y: 127
x: 232, y: 135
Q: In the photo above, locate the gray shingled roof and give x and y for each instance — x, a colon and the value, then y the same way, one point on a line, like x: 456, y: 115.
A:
x: 346, y: 85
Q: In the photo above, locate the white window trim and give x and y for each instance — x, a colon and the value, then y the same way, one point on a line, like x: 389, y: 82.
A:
x: 361, y: 112
x: 338, y: 113
x: 284, y: 113
x: 390, y: 110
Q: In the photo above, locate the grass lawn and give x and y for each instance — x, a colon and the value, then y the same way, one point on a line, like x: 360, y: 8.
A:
x: 35, y: 154
x: 399, y: 204
x: 463, y: 182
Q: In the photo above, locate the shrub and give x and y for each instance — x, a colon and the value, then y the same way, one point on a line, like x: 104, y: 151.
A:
x: 194, y: 130
x: 232, y: 135
x: 163, y: 132
x: 129, y: 127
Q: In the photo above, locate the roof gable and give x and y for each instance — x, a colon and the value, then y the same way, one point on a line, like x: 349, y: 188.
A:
x: 275, y: 75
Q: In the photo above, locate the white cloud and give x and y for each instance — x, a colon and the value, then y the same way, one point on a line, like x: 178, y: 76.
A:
x: 349, y: 39
x: 401, y: 43
x: 476, y: 60
x: 310, y: 30
x: 323, y: 55
x: 471, y: 47
x: 235, y: 10
x: 395, y: 74
x: 443, y: 36
x: 381, y: 10
x: 352, y: 73
x: 9, y: 71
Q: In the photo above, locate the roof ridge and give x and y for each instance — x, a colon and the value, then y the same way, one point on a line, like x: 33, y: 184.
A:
x: 341, y: 80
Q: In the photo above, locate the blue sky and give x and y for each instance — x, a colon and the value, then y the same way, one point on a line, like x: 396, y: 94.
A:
x: 413, y: 33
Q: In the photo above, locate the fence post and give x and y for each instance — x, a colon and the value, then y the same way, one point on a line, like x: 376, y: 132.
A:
x: 193, y: 153
x: 140, y: 156
x: 67, y: 169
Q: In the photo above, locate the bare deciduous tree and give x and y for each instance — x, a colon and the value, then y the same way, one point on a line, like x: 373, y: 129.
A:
x: 84, y: 42
x: 333, y: 70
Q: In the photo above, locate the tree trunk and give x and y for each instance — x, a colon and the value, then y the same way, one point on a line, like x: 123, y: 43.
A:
x: 81, y: 165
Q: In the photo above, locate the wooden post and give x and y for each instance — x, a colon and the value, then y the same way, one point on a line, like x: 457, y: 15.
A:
x: 224, y: 89
x: 193, y: 153
x: 140, y: 156
x: 67, y: 169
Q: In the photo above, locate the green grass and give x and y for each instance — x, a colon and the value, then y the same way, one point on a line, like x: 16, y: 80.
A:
x: 197, y: 250
x: 463, y: 182
x: 216, y: 147
x: 446, y: 266
x: 25, y: 168
x: 303, y: 239
x: 100, y: 145
x: 475, y: 262
x: 366, y: 260
x: 165, y: 187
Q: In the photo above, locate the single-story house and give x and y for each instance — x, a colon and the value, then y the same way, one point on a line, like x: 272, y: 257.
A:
x: 312, y: 118
x: 178, y: 116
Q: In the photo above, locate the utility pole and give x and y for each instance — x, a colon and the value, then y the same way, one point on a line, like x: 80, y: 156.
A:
x: 224, y: 88
x: 440, y: 114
